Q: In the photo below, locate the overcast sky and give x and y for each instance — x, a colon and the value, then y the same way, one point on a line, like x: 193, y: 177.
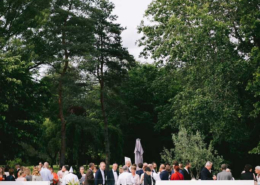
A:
x: 130, y: 13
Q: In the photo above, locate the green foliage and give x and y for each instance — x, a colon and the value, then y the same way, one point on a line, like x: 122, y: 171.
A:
x: 256, y: 150
x: 12, y: 163
x: 191, y: 147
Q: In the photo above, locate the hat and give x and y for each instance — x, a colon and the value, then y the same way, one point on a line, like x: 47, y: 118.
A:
x: 71, y: 170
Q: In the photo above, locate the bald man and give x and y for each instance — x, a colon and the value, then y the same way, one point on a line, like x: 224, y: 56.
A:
x: 100, y: 177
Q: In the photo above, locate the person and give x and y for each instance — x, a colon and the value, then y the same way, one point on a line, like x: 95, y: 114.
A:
x: 89, y: 179
x: 135, y: 176
x: 186, y: 171
x: 46, y: 173
x: 147, y: 177
x: 168, y: 169
x: 121, y: 170
x: 100, y: 177
x: 248, y: 175
x: 177, y: 175
x: 28, y: 176
x: 70, y: 178
x: 206, y: 172
x: 17, y: 167
x: 95, y: 171
x: 60, y: 174
x: 128, y: 164
x: 145, y: 165
x: 7, y: 168
x: 2, y: 174
x: 81, y: 175
x: 36, y: 176
x: 224, y: 175
x: 112, y: 175
x: 229, y: 170
x: 65, y: 171
x: 55, y: 179
x: 125, y: 178
x: 181, y: 168
x: 164, y: 175
x: 154, y: 167
x: 154, y: 175
x: 21, y: 176
x: 140, y: 171
x: 257, y: 178
x: 40, y: 165
x: 11, y: 175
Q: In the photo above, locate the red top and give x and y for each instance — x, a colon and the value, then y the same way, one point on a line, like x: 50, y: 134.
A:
x: 177, y: 176
x: 55, y: 178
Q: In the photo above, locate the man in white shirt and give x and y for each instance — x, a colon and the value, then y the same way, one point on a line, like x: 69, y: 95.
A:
x: 125, y: 178
x: 46, y: 173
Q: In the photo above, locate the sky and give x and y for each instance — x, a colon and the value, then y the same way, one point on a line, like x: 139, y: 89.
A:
x: 130, y: 13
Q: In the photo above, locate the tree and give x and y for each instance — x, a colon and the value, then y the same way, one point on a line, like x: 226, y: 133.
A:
x: 109, y: 61
x: 65, y: 38
x: 191, y: 147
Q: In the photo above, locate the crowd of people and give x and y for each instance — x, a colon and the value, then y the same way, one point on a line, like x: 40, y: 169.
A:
x: 129, y: 174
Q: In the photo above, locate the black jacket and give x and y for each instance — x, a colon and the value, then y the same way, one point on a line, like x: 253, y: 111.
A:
x: 164, y: 175
x: 187, y: 176
x: 110, y: 177
x: 205, y: 174
x: 247, y: 176
x: 10, y: 178
x: 99, y: 177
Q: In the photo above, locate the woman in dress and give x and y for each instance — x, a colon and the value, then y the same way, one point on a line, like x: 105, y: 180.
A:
x: 36, y: 174
x: 177, y: 175
x: 2, y: 174
x: 21, y: 176
x: 28, y: 174
x: 135, y: 176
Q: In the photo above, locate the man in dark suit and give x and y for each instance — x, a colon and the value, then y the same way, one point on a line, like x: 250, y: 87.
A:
x: 140, y: 171
x: 100, y: 177
x: 205, y: 173
x: 17, y: 167
x: 112, y: 175
x: 186, y: 171
x: 89, y: 179
x: 164, y: 175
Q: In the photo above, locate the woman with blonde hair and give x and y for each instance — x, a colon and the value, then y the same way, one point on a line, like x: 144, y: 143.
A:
x: 27, y: 172
x: 36, y: 174
x: 21, y: 176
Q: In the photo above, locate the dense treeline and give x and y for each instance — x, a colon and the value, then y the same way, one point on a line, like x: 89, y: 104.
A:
x: 94, y: 100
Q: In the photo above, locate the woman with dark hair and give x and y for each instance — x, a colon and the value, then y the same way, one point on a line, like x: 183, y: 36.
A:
x: 248, y: 175
x: 11, y: 175
x: 147, y: 177
x: 177, y: 175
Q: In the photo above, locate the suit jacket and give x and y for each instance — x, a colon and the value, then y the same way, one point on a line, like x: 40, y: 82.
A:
x: 10, y: 178
x: 205, y: 174
x: 99, y: 178
x: 110, y: 177
x: 164, y: 175
x: 247, y: 176
x: 89, y: 179
x: 16, y: 173
x: 139, y: 172
x: 224, y: 176
x: 187, y: 176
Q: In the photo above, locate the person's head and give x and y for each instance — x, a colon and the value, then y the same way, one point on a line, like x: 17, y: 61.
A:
x: 140, y: 165
x: 121, y: 170
x: 223, y: 167
x: 7, y: 168
x: 115, y: 166
x: 148, y: 171
x: 181, y: 165
x: 162, y: 167
x: 248, y: 168
x: 154, y: 165
x: 51, y: 169
x: 209, y: 165
x: 176, y: 166
x: 65, y: 168
x: 95, y: 169
x: 168, y: 168
x: 133, y: 169
x: 36, y: 171
x: 21, y: 174
x: 150, y: 166
x: 1, y: 171
x: 11, y: 171
x: 128, y: 164
x: 144, y: 166
x: 125, y: 168
x: 17, y: 166
x: 40, y: 164
x: 102, y: 166
x: 27, y: 171
x: 46, y: 165
x: 91, y: 166
x: 82, y: 169
x: 228, y: 170
x: 134, y: 165
x: 257, y: 170
x: 188, y: 165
